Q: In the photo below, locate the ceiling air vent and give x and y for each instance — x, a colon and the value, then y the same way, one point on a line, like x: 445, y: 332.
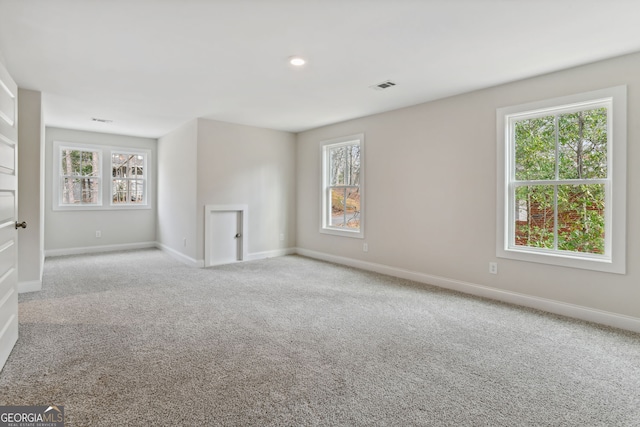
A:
x: 95, y: 119
x: 384, y: 85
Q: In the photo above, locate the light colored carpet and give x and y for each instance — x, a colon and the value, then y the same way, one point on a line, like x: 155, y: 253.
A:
x: 136, y: 338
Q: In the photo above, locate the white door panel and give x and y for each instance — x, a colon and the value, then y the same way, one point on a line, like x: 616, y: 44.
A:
x: 224, y: 243
x: 8, y: 209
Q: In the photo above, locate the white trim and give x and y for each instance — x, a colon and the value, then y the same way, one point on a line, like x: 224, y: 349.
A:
x: 180, y: 256
x: 98, y: 249
x: 244, y: 213
x: 30, y: 286
x: 552, y: 306
x: 42, y: 258
x: 270, y: 254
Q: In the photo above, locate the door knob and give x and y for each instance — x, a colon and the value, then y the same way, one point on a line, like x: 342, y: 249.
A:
x: 22, y: 224
x: 238, y: 235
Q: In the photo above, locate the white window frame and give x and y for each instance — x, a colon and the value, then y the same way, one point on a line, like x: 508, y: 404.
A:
x: 614, y: 258
x: 325, y: 201
x: 58, y: 189
x: 106, y: 179
x: 145, y: 177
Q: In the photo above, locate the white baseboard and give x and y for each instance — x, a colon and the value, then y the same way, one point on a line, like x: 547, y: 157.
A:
x: 42, y: 257
x: 30, y: 286
x: 270, y: 254
x: 262, y: 255
x: 552, y: 306
x: 97, y: 249
x: 180, y: 256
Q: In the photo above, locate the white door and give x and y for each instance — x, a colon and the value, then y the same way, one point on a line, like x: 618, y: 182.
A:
x: 225, y: 237
x: 8, y: 210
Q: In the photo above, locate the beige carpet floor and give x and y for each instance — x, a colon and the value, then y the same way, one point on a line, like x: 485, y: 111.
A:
x: 138, y: 339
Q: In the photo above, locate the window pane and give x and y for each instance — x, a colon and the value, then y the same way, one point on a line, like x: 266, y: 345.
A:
x: 90, y: 190
x: 80, y: 163
x: 87, y: 166
x: 581, y: 218
x: 80, y: 191
x: 345, y: 207
x: 582, y: 140
x: 534, y: 223
x: 136, y: 191
x: 119, y: 191
x: 67, y: 162
x: 129, y: 191
x: 90, y: 164
x: 69, y: 193
x: 120, y: 165
x: 353, y: 160
x: 345, y: 165
x: 353, y: 208
x: 137, y: 163
x: 338, y: 166
x: 535, y: 149
x: 338, y: 202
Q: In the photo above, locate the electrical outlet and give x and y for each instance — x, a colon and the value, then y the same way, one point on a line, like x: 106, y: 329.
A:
x: 493, y: 267
x: 282, y: 237
x: 184, y: 242
x: 365, y: 247
x: 98, y: 234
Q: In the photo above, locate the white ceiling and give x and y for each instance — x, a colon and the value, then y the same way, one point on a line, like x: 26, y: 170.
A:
x: 151, y: 65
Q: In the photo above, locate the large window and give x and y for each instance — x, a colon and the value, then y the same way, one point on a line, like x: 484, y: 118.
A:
x: 80, y: 181
x: 562, y: 181
x: 342, y: 186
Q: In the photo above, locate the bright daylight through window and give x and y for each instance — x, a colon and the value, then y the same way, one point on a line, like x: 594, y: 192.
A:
x: 128, y: 172
x: 342, y: 192
x: 560, y: 179
x: 80, y: 177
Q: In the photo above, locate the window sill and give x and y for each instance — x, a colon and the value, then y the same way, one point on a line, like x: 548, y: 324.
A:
x: 99, y: 208
x: 561, y: 259
x: 342, y: 232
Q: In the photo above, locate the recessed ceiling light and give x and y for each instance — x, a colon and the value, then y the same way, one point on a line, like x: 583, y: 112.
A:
x: 297, y: 61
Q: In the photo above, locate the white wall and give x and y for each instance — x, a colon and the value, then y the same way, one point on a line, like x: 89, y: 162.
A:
x: 207, y: 162
x: 75, y: 231
x: 254, y: 166
x: 431, y: 192
x: 177, y: 188
x: 30, y: 190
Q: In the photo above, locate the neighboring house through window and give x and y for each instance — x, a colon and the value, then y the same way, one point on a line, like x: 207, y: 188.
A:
x: 129, y: 178
x: 342, y: 186
x: 562, y: 185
